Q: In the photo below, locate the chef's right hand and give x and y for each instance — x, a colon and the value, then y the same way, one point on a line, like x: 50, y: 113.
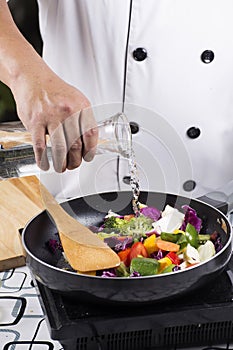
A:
x: 48, y: 105
x: 45, y: 103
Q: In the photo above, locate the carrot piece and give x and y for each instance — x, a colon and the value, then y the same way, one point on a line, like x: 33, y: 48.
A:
x: 168, y: 246
x: 128, y: 217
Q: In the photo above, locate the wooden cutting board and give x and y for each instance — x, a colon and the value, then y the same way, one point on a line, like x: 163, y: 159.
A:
x: 20, y: 200
x: 10, y: 139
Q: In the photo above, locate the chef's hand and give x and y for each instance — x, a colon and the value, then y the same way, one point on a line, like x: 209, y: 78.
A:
x: 45, y: 103
x: 48, y: 105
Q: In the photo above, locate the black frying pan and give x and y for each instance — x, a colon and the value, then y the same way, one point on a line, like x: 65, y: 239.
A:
x: 90, y: 210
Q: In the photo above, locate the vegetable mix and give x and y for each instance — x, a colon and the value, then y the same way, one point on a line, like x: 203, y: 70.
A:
x: 156, y: 242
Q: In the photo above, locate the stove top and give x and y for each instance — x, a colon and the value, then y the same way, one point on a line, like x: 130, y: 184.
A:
x: 201, y: 318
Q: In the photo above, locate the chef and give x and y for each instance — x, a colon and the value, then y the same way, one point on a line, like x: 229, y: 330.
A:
x: 167, y: 64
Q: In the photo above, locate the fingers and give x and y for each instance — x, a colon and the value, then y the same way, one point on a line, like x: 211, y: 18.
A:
x: 59, y: 147
x: 73, y: 141
x: 81, y: 135
x: 39, y: 147
x: 89, y: 131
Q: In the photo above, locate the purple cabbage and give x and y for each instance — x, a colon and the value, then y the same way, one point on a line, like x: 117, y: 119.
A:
x: 176, y: 268
x: 122, y: 245
x: 54, y: 245
x: 95, y: 229
x: 151, y: 212
x: 218, y: 245
x: 216, y: 239
x: 158, y: 255
x: 111, y: 241
x: 135, y: 274
x: 109, y: 273
x: 191, y: 218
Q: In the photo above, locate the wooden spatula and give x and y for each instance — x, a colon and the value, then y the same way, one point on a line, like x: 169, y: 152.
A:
x: 84, y: 250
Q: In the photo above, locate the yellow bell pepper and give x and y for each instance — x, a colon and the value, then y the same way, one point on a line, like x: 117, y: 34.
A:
x: 178, y: 231
x: 150, y: 244
x: 163, y: 263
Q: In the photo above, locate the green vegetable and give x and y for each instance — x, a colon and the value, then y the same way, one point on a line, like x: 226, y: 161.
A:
x: 122, y: 270
x: 192, y: 235
x: 168, y: 268
x: 170, y: 237
x: 182, y: 241
x: 203, y: 238
x: 136, y: 227
x: 103, y: 235
x: 113, y: 223
x: 144, y: 266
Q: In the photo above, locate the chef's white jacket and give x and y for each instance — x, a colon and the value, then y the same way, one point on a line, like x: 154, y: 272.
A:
x: 169, y: 65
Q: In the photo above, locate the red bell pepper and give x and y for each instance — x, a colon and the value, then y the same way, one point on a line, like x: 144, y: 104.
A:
x: 124, y: 256
x: 173, y: 257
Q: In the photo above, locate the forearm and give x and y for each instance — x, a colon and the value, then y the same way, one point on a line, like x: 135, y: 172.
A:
x: 18, y: 58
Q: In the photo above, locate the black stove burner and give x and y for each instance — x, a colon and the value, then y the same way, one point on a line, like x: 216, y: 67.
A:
x: 201, y: 318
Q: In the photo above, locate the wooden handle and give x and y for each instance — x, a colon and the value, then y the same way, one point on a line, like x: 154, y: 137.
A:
x: 84, y: 250
x: 67, y: 225
x: 52, y: 206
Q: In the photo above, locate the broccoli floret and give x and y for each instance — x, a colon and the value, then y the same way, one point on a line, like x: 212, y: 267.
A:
x: 135, y: 227
x: 113, y: 222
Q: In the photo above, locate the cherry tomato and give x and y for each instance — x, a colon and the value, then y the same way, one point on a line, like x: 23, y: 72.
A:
x: 138, y: 249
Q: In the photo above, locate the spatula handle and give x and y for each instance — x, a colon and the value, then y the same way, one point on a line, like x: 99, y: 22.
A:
x: 83, y: 249
x: 52, y: 206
